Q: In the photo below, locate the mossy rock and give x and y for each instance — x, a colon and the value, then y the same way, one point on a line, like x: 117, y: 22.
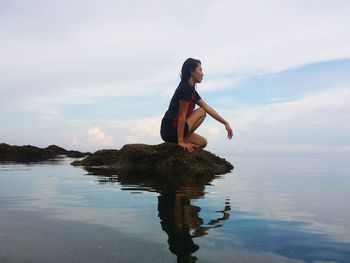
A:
x: 164, y: 158
x: 29, y: 153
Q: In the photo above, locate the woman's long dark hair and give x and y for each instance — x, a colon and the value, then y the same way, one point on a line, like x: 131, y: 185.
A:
x: 189, y: 65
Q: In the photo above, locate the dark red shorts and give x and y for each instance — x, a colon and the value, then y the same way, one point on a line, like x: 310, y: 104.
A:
x: 168, y: 132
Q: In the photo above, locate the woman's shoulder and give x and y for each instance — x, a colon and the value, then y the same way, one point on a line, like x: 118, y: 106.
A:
x: 181, y: 87
x: 185, y: 85
x: 182, y: 84
x: 185, y: 88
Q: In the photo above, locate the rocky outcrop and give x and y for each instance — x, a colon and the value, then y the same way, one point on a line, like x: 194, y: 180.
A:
x: 69, y: 153
x: 28, y: 153
x: 164, y: 158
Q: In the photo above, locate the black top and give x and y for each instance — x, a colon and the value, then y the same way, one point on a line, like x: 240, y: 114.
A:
x: 184, y: 91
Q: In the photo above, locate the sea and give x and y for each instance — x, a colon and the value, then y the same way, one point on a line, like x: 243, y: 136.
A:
x: 267, y: 209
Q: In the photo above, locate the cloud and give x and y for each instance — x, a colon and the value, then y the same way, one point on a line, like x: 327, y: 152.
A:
x: 95, y: 139
x: 145, y: 130
x: 314, y: 124
x: 102, y: 51
x: 58, y: 59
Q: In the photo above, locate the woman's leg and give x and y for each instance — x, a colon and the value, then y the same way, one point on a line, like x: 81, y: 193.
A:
x: 198, y: 140
x: 194, y: 121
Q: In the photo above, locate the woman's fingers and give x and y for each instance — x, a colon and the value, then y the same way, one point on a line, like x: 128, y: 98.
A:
x: 229, y: 132
x: 188, y: 147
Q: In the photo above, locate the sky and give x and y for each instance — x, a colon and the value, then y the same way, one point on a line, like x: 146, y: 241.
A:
x: 90, y: 75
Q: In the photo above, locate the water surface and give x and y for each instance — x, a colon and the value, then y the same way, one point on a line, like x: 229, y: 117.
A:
x: 272, y: 209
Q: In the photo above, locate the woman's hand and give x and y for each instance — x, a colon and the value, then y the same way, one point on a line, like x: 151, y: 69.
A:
x: 193, y: 144
x: 187, y: 146
x: 229, y: 130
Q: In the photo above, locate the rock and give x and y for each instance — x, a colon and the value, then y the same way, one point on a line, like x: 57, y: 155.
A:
x: 60, y: 151
x: 169, y: 158
x: 28, y: 153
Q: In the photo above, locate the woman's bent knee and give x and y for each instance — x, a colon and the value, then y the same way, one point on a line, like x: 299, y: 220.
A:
x: 202, y: 111
x: 204, y: 143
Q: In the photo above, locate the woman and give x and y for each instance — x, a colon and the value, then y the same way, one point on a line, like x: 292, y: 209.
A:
x: 181, y: 120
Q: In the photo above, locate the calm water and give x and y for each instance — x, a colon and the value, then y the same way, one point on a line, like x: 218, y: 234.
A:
x: 266, y: 210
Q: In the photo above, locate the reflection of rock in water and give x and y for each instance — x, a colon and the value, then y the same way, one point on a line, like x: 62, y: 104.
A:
x: 178, y: 217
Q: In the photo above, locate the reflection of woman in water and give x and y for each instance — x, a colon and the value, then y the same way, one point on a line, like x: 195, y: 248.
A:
x: 178, y: 217
x: 181, y: 120
x: 179, y: 237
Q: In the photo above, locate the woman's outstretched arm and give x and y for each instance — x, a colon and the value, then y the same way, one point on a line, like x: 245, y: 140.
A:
x: 216, y: 116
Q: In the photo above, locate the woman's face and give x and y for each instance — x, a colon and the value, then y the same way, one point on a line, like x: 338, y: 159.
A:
x: 197, y: 74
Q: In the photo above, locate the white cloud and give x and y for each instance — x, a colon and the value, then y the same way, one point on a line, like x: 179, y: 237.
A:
x: 119, y: 48
x: 213, y: 130
x: 227, y: 101
x: 137, y: 48
x: 96, y: 138
x: 145, y: 131
x: 222, y: 82
x: 317, y: 123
